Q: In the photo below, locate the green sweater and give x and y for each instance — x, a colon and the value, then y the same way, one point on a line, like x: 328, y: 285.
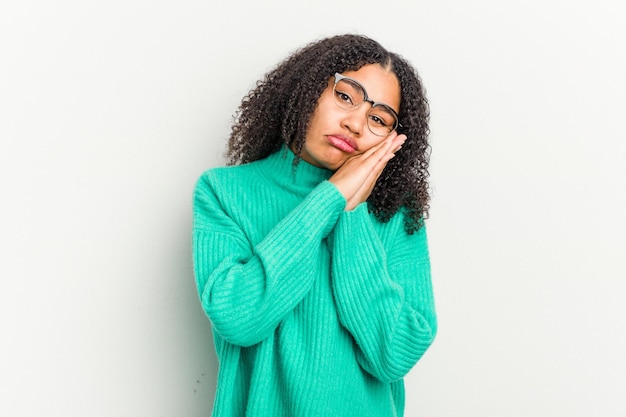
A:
x: 315, y: 311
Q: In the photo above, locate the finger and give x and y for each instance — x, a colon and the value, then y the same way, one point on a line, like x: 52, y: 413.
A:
x: 365, y: 189
x: 367, y: 162
x: 381, y: 151
x: 376, y: 171
x: 382, y: 146
x: 398, y: 141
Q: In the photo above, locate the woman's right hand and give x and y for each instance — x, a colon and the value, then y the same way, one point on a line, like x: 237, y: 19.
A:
x: 356, y: 178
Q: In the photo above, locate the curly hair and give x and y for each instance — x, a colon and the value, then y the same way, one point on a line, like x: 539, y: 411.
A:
x: 278, y: 109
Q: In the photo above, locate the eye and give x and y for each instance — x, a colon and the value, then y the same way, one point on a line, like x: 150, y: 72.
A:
x: 344, y: 97
x: 378, y: 121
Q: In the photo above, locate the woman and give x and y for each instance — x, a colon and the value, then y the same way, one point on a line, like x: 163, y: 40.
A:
x: 310, y: 253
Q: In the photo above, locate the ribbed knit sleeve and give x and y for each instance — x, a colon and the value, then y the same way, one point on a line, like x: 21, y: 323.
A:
x: 246, y: 289
x: 382, y: 286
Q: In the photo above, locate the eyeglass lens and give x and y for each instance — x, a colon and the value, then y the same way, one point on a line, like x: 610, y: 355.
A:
x: 350, y: 95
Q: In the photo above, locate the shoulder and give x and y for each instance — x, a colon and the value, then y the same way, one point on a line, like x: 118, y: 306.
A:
x: 227, y: 173
x: 222, y: 194
x: 217, y: 188
x: 226, y: 178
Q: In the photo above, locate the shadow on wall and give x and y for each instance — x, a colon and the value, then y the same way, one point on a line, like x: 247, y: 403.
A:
x: 197, y: 366
x: 205, y: 362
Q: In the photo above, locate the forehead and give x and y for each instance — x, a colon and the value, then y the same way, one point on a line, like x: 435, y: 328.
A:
x: 381, y: 85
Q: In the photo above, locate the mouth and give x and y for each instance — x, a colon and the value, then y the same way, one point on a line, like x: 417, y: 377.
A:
x: 343, y: 143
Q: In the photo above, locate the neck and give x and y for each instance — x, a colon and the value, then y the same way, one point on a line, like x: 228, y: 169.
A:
x: 299, y: 178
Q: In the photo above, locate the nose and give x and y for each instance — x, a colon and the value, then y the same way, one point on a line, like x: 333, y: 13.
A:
x: 356, y: 120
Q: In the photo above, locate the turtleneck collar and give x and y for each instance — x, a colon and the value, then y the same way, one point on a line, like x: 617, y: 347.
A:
x: 302, y: 178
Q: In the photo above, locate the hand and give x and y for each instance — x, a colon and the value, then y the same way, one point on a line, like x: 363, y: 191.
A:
x: 356, y: 178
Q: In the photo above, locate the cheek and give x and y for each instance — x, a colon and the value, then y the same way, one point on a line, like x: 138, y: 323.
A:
x: 325, y: 113
x: 372, y: 141
x: 315, y: 121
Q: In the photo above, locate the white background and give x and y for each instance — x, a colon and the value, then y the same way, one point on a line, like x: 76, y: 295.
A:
x: 110, y: 110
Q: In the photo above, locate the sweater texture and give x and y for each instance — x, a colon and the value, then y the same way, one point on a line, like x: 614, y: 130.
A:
x: 315, y: 311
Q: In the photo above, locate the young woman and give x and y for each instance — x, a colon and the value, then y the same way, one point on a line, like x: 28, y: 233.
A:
x: 310, y: 253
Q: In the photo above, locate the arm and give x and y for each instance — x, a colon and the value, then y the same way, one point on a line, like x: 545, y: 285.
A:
x: 384, y: 294
x: 246, y: 290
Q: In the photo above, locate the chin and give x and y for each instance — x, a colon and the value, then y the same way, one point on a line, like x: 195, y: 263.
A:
x: 333, y: 164
x: 334, y: 159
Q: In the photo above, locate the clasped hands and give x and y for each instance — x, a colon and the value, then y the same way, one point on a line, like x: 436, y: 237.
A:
x: 356, y: 178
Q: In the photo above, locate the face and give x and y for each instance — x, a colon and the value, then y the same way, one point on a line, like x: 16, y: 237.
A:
x: 336, y: 134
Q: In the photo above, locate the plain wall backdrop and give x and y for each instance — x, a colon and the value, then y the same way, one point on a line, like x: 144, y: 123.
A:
x: 111, y: 110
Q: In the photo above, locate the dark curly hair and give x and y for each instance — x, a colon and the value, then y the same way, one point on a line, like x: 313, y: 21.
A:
x: 278, y: 109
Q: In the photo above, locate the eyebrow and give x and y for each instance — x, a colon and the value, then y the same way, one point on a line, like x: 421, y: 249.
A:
x: 368, y: 96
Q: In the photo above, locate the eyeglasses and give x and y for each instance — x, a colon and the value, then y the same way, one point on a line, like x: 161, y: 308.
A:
x: 349, y: 94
